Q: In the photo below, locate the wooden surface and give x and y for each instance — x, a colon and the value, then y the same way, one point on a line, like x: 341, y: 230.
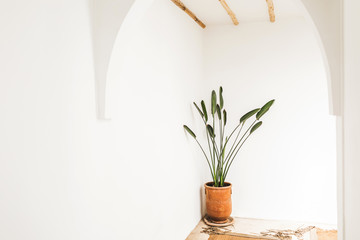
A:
x: 232, y: 15
x: 190, y: 13
x: 223, y: 237
x: 255, y: 226
x: 229, y: 11
x: 326, y: 234
x: 271, y: 10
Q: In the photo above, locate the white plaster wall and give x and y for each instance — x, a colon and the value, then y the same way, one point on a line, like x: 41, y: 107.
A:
x: 66, y: 175
x: 107, y: 16
x: 155, y: 73
x: 351, y: 119
x: 326, y: 15
x: 287, y: 170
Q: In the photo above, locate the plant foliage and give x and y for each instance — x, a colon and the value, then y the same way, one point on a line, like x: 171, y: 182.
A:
x: 218, y: 156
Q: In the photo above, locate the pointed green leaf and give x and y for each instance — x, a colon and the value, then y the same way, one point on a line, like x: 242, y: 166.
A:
x: 264, y: 109
x: 189, y: 131
x: 201, y: 113
x: 225, y: 116
x: 218, y: 111
x: 204, y: 110
x: 210, y: 130
x: 221, y: 98
x: 248, y: 115
x: 213, y: 102
x: 256, y: 126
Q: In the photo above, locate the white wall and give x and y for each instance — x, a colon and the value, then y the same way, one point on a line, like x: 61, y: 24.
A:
x: 351, y: 119
x: 287, y: 170
x: 154, y: 75
x: 66, y: 175
x: 326, y: 15
x: 107, y: 16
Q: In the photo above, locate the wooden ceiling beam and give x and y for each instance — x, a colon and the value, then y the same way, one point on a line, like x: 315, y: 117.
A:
x: 190, y: 13
x: 229, y: 11
x: 270, y: 4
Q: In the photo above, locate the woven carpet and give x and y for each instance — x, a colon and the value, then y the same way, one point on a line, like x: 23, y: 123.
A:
x: 225, y: 237
x: 322, y: 235
x: 326, y: 234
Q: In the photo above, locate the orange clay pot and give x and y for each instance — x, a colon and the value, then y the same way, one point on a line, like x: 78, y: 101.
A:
x: 218, y: 202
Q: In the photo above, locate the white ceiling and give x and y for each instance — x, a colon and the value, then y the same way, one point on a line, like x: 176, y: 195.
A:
x: 211, y: 12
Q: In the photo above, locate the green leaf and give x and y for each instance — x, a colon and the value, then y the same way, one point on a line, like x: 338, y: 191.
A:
x: 221, y: 98
x: 213, y: 102
x: 210, y: 130
x: 225, y: 117
x: 204, y: 110
x: 218, y: 111
x: 189, y: 131
x: 256, y: 126
x: 248, y: 115
x: 264, y: 109
x: 201, y: 113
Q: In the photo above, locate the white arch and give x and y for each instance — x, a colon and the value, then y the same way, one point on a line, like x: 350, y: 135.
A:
x: 326, y: 17
x: 107, y: 17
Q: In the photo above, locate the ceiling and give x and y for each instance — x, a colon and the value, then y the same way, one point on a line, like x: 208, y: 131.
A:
x: 211, y: 12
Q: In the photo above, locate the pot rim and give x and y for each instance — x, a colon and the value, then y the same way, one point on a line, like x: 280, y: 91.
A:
x: 217, y: 188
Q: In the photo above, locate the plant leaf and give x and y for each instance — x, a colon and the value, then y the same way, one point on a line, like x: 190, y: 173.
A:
x: 210, y: 130
x: 201, y: 113
x: 189, y: 131
x: 218, y: 111
x: 248, y: 115
x: 204, y: 110
x: 213, y: 102
x: 225, y: 116
x: 256, y: 126
x: 221, y: 98
x: 264, y: 109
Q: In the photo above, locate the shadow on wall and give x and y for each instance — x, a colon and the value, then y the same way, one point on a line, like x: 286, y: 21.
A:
x: 106, y: 17
x: 326, y: 19
x: 203, y: 201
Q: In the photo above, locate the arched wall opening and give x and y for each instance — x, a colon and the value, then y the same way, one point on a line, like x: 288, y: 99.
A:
x: 69, y: 176
x: 254, y: 62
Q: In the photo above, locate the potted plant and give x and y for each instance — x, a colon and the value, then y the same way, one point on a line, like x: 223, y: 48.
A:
x: 222, y: 151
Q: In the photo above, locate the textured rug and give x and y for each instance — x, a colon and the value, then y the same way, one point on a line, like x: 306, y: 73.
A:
x: 326, y: 234
x: 321, y: 234
x: 225, y: 237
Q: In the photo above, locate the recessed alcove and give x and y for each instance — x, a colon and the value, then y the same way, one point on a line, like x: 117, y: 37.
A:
x: 68, y: 65
x: 158, y: 66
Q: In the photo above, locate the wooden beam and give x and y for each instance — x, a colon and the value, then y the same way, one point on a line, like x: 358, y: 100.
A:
x: 271, y: 10
x: 190, y: 13
x: 229, y: 11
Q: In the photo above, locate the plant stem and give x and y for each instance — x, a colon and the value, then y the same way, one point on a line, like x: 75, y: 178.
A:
x: 231, y: 153
x: 237, y: 136
x: 226, y: 142
x: 207, y: 159
x: 227, y: 170
x: 229, y: 158
x: 214, y: 152
x: 211, y: 154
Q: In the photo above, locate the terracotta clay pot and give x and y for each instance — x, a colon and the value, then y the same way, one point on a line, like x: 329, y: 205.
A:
x: 218, y: 202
